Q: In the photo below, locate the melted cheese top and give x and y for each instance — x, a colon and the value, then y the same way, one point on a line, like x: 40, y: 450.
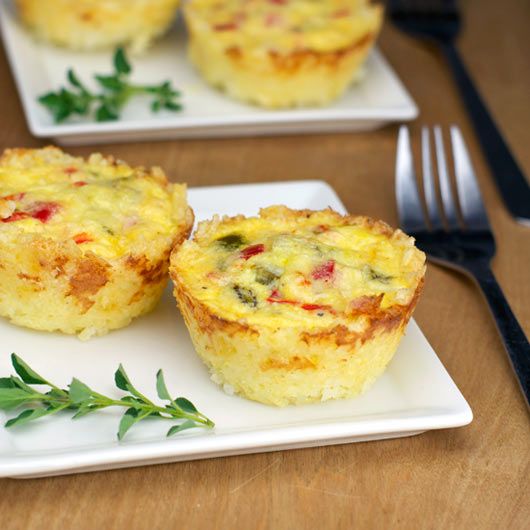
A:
x: 285, y: 25
x: 268, y: 269
x: 104, y: 208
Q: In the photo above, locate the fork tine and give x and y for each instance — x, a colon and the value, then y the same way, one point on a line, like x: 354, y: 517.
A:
x: 445, y: 184
x: 408, y: 201
x: 428, y: 181
x: 471, y: 203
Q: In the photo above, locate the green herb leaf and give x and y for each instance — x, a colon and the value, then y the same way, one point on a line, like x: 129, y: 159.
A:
x: 161, y: 387
x: 16, y: 392
x: 85, y: 409
x: 27, y: 374
x: 106, y: 113
x: 79, y: 392
x: 7, y: 382
x: 28, y: 415
x: 121, y: 378
x: 171, y: 105
x: 74, y: 79
x: 121, y: 63
x: 188, y: 424
x: 18, y: 383
x: 11, y: 398
x: 116, y: 90
x: 110, y: 81
x: 130, y: 417
x: 57, y: 394
x: 186, y: 405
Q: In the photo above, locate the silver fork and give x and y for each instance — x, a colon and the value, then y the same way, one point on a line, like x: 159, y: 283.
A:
x: 463, y: 242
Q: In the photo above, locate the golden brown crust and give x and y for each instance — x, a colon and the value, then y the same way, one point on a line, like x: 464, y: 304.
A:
x: 91, y: 274
x: 292, y: 62
x: 81, y: 291
x: 293, y: 364
x: 207, y: 321
x: 378, y: 321
x: 279, y: 358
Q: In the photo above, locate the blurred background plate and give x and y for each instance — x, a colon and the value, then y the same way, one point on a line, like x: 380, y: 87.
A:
x: 378, y: 99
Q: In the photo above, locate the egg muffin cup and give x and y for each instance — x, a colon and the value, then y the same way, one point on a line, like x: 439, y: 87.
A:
x: 98, y: 24
x: 296, y: 307
x: 84, y: 245
x: 276, y: 55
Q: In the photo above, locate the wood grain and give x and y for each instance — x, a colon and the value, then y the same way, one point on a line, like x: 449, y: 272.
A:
x: 472, y: 477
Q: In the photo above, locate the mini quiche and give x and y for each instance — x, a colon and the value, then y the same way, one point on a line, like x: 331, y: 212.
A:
x: 281, y: 53
x: 84, y: 245
x: 296, y: 306
x: 95, y: 24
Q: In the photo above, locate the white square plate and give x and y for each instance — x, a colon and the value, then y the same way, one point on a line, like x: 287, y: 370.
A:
x: 38, y: 68
x: 413, y: 395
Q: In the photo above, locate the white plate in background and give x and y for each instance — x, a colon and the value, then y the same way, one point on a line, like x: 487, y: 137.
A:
x: 413, y: 395
x: 39, y: 68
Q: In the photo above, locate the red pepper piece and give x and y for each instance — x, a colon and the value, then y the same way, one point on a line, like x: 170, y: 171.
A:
x: 275, y: 298
x: 14, y: 197
x: 313, y: 307
x: 253, y: 250
x: 278, y: 2
x: 325, y: 272
x: 79, y: 183
x: 70, y: 170
x: 44, y: 211
x: 83, y: 237
x: 16, y: 216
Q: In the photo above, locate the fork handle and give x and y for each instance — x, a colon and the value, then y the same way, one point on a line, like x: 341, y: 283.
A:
x: 512, y: 334
x: 509, y: 177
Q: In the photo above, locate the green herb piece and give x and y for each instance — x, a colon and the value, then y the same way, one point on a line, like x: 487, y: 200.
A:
x: 116, y: 91
x: 246, y: 295
x: 265, y: 276
x: 16, y: 392
x: 378, y: 276
x: 231, y: 241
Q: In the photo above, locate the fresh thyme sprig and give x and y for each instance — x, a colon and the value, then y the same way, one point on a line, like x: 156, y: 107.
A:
x: 116, y: 92
x: 15, y: 392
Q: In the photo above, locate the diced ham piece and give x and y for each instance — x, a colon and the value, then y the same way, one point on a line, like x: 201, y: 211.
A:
x: 43, y: 211
x: 325, y: 271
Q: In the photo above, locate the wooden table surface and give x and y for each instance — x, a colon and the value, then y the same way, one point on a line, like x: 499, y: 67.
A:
x: 470, y: 477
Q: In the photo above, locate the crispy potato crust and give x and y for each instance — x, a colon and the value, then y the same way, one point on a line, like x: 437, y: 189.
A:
x: 294, y: 362
x: 49, y: 282
x: 260, y: 69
